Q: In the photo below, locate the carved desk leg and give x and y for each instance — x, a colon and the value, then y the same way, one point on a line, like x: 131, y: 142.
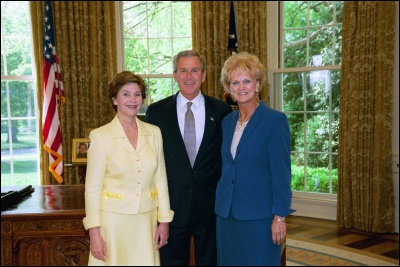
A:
x: 6, y: 244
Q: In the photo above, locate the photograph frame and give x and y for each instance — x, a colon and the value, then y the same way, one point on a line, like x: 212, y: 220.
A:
x: 75, y: 144
x: 87, y: 132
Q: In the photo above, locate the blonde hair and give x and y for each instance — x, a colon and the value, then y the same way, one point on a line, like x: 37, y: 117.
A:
x: 243, y: 62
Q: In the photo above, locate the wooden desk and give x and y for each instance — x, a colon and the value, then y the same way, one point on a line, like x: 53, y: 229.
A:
x: 45, y: 228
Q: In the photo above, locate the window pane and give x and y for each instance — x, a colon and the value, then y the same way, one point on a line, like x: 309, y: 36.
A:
x: 335, y: 90
x: 318, y: 179
x: 5, y: 138
x: 18, y: 56
x: 159, y: 19
x: 22, y: 99
x: 181, y: 19
x: 4, y: 112
x: 136, y: 57
x: 311, y: 28
x: 317, y: 138
x: 297, y: 173
x: 181, y: 44
x: 25, y: 172
x: 160, y: 56
x: 338, y: 45
x: 15, y: 18
x: 155, y: 31
x: 319, y: 88
x: 19, y: 133
x: 3, y: 71
x: 295, y: 14
x: 6, y: 177
x: 295, y: 48
x: 322, y: 46
x: 312, y: 140
x: 25, y: 144
x: 160, y: 88
x: 135, y: 19
x: 296, y: 122
x: 293, y: 91
x: 321, y: 12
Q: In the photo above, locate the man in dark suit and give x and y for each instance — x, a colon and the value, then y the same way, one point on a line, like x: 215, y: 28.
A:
x: 191, y: 188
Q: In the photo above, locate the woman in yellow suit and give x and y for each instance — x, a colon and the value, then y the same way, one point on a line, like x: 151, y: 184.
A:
x: 126, y: 191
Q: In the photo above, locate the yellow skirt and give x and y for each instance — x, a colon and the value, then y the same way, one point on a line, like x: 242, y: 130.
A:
x: 129, y: 239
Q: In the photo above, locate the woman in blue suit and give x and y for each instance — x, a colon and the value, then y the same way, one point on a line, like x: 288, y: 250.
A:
x: 253, y: 195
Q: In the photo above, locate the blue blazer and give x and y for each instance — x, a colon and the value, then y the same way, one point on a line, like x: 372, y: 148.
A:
x: 256, y: 184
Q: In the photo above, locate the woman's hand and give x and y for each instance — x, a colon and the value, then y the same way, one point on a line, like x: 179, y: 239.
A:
x: 97, y: 245
x: 278, y: 231
x: 162, y: 234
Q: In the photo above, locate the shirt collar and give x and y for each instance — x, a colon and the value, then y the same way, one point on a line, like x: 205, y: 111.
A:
x: 181, y: 101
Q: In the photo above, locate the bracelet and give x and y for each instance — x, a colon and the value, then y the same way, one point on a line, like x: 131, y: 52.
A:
x: 280, y: 219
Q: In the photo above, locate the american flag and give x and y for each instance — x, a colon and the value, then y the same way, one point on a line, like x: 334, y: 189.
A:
x: 53, y: 97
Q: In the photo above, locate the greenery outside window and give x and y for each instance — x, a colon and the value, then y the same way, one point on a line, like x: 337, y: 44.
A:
x: 155, y: 31
x: 19, y: 116
x: 306, y: 86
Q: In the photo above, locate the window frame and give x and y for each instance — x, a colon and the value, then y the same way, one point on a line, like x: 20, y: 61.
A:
x: 121, y: 58
x: 275, y: 63
x: 12, y: 157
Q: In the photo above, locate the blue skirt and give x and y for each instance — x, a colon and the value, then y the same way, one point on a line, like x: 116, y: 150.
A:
x: 246, y: 243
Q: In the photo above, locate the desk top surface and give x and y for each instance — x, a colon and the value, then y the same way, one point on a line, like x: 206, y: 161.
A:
x: 48, y: 199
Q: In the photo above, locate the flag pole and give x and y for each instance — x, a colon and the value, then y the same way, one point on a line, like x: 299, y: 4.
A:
x: 233, y: 48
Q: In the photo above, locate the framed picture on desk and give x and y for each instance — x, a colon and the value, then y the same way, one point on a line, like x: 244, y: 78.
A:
x: 79, y: 150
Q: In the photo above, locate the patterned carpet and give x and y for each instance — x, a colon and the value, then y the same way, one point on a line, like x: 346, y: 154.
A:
x: 304, y: 253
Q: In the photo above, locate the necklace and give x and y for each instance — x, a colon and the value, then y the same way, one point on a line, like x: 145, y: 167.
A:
x: 242, y: 124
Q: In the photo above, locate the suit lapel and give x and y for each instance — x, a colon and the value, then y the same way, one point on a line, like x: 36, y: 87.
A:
x: 229, y: 131
x: 251, y: 125
x: 174, y: 133
x: 209, y: 126
x: 119, y: 135
x: 142, y: 133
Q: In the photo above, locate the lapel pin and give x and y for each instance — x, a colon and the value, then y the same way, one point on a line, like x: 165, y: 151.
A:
x: 211, y: 119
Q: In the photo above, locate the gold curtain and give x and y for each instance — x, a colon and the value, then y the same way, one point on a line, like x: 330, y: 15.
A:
x: 365, y: 190
x: 210, y: 27
x: 86, y: 48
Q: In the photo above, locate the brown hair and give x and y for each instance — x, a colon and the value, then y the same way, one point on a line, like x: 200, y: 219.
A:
x: 122, y: 78
x: 188, y: 53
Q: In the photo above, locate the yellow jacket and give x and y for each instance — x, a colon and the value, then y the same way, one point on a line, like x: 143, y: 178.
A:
x: 122, y: 179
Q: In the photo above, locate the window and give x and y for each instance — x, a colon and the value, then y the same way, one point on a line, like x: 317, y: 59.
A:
x: 305, y: 86
x: 19, y: 123
x: 155, y: 31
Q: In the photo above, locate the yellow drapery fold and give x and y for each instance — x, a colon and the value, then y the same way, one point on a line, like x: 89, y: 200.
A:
x: 365, y: 185
x: 210, y: 28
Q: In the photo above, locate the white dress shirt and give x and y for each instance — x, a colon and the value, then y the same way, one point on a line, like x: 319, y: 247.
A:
x: 199, y: 112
